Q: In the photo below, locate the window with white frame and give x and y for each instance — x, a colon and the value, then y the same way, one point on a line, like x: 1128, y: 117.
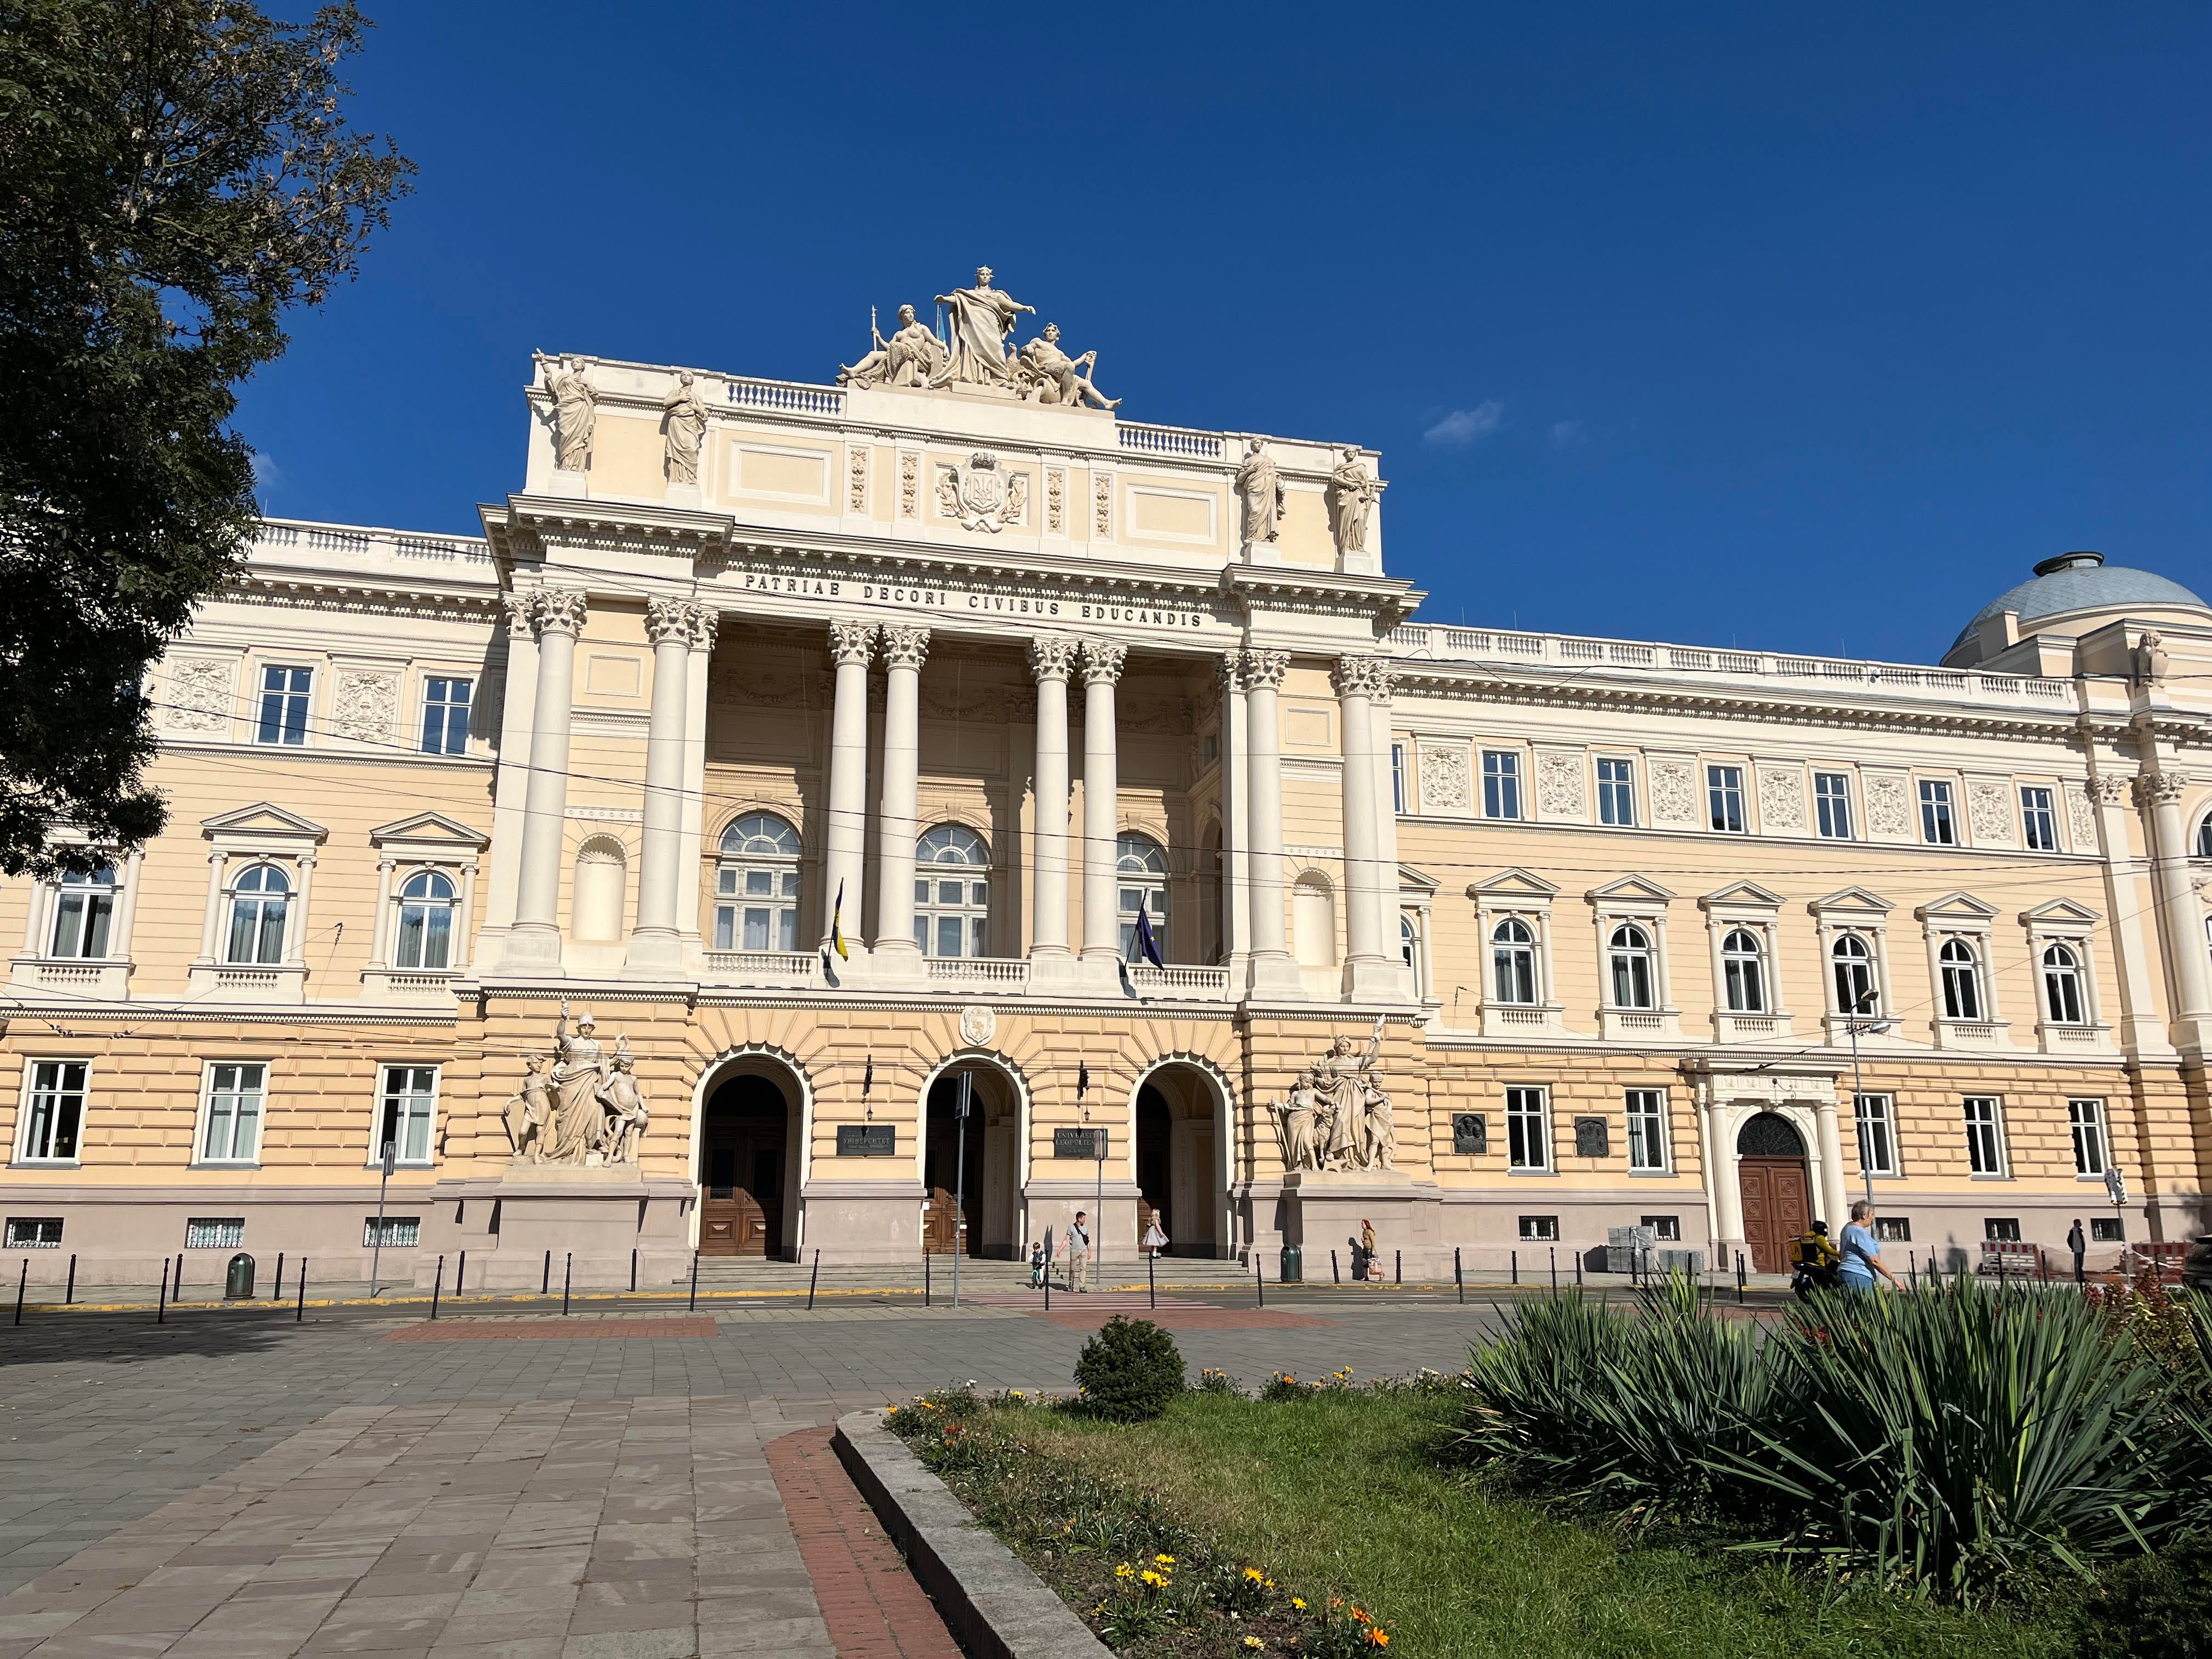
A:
x: 1666, y: 1229
x: 1984, y: 1123
x: 1398, y: 777
x: 84, y: 913
x: 392, y: 1232
x: 1527, y: 1129
x: 1647, y: 1129
x: 1724, y: 798
x: 757, y: 885
x: 1140, y: 865
x: 2038, y: 823
x: 1831, y: 804
x: 2086, y: 1119
x: 446, y: 716
x: 1513, y: 961
x: 1850, y: 958
x: 2204, y: 837
x: 260, y: 904
x: 1960, y: 965
x: 1501, y: 784
x: 1540, y: 1229
x: 1411, y: 952
x: 952, y: 893
x: 284, y: 698
x: 1743, y: 971
x: 2065, y: 1001
x: 407, y: 1107
x: 231, y: 1112
x: 424, y: 941
x: 53, y: 1112
x: 33, y: 1232
x: 1616, y: 793
x: 1632, y: 963
x: 1937, y: 828
x: 214, y: 1232
x: 1876, y: 1115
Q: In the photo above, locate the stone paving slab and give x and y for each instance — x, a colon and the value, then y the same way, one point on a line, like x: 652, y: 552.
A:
x: 534, y: 1330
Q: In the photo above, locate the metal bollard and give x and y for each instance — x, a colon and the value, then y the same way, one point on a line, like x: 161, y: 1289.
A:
x: 693, y: 1306
x: 22, y: 1284
x: 300, y: 1312
x: 276, y: 1293
x: 69, y: 1295
x: 545, y: 1283
x: 1555, y: 1270
x: 1459, y: 1278
x: 1259, y: 1279
x: 925, y: 1276
x: 811, y: 1283
x: 1335, y: 1274
x: 461, y: 1274
x: 568, y: 1274
x: 1398, y: 1266
x: 436, y: 1285
x: 177, y: 1284
x: 633, y: 1271
x: 1740, y: 1277
x: 162, y: 1308
x: 1516, y: 1267
x: 1151, y: 1289
x: 1578, y: 1270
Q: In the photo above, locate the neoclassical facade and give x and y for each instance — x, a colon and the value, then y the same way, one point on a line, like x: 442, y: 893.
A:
x: 789, y: 767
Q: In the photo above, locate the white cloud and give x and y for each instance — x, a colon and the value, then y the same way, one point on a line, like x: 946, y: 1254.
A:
x: 1463, y: 426
x: 266, y: 473
x: 1566, y: 435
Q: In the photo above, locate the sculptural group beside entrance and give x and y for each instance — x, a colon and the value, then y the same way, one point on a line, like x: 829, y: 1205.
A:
x: 585, y: 1109
x: 1337, y: 1116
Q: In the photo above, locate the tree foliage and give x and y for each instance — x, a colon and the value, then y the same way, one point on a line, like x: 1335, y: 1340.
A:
x: 174, y: 176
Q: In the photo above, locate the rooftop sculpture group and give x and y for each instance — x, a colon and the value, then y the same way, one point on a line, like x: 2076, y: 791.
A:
x: 980, y: 324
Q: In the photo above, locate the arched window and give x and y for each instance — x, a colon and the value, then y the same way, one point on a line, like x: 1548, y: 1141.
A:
x: 2064, y: 1002
x: 1855, y: 989
x: 1312, y: 922
x: 1142, y: 876
x: 260, y: 901
x: 84, y: 909
x: 1962, y: 979
x: 601, y: 890
x: 757, y: 885
x: 1632, y: 975
x: 1409, y: 941
x: 2204, y: 837
x: 426, y: 923
x: 1513, y: 961
x: 952, y: 893
x: 1743, y: 972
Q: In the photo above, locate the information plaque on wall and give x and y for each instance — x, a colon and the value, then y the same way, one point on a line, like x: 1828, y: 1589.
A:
x: 1470, y: 1133
x: 867, y: 1140
x: 1079, y: 1143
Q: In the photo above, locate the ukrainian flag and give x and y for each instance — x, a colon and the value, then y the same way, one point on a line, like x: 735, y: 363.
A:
x: 837, y: 925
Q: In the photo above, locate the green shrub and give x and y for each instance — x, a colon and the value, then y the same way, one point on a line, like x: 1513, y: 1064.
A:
x: 2153, y: 1607
x: 1129, y: 1371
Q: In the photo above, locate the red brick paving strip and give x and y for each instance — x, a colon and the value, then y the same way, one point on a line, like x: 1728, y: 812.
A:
x: 552, y: 1330
x: 870, y: 1601
x: 1186, y: 1319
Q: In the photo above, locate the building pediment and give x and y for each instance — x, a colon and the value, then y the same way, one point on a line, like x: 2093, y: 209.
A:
x: 1411, y: 880
x: 1637, y: 889
x: 1856, y: 899
x: 264, y: 821
x: 430, y: 828
x: 1510, y: 884
x: 1742, y: 895
x: 1957, y: 907
x: 2061, y: 913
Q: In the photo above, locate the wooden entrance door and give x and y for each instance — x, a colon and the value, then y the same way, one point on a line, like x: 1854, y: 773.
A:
x: 741, y: 1154
x: 940, y: 1222
x: 1776, y: 1208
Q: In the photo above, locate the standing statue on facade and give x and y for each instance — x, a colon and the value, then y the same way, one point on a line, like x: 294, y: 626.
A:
x: 913, y: 357
x: 625, y: 1126
x: 1355, y: 489
x: 1260, y: 487
x: 1294, y: 1123
x: 1049, y: 375
x: 1337, y: 1115
x: 575, y: 412
x: 596, y: 1115
x: 982, y: 318
x: 684, y: 420
x: 530, y: 1117
x: 2152, y: 662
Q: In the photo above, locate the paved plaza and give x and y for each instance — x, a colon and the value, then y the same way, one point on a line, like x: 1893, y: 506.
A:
x: 641, y: 1482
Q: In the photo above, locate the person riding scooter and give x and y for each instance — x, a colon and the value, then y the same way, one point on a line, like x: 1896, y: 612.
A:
x: 1814, y: 1262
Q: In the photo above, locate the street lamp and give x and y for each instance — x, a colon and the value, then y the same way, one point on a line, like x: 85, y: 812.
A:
x: 1855, y: 1025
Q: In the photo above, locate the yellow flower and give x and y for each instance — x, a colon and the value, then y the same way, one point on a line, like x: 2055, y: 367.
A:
x: 1125, y: 1571
x: 1298, y: 1602
x: 1377, y: 1637
x: 1153, y: 1579
x: 1164, y: 1560
x: 1254, y: 1643
x: 1256, y: 1575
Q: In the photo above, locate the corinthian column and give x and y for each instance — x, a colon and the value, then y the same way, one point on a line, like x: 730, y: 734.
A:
x: 1101, y: 796
x: 2160, y: 794
x: 904, y: 648
x: 655, y: 947
x: 851, y: 643
x: 1367, y: 971
x: 533, y: 944
x: 1051, y: 660
x: 1273, y: 972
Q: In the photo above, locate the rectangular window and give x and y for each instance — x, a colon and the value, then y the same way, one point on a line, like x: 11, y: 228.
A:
x: 1892, y: 1229
x: 1501, y: 784
x: 284, y: 705
x: 1527, y: 1129
x: 398, y: 1232
x: 446, y: 716
x: 1831, y: 800
x: 2088, y: 1119
x: 53, y: 1112
x: 1667, y: 1228
x: 35, y: 1232
x: 2039, y: 823
x: 1541, y: 1229
x: 1724, y: 798
x: 205, y: 1232
x: 1616, y: 793
x: 235, y: 1093
x: 1936, y: 828
x: 411, y: 1101
x: 1877, y: 1140
x: 2001, y: 1230
x: 1398, y: 777
x: 1647, y: 1129
x: 2108, y: 1229
x: 1984, y: 1136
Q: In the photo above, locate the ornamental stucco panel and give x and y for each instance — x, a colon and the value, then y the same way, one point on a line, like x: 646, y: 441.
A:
x: 2080, y: 818
x: 1673, y: 794
x: 200, y: 695
x: 1444, y: 778
x: 365, y: 705
x: 1888, y: 806
x: 1560, y: 792
x: 1781, y: 801
x: 1989, y: 811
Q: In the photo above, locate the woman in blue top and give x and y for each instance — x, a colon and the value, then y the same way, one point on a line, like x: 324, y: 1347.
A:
x: 1862, y: 1252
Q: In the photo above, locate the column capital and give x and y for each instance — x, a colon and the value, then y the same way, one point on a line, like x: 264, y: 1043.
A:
x: 1052, y: 658
x: 1371, y: 677
x: 905, y: 645
x: 2109, y: 789
x: 518, y: 607
x: 2160, y: 789
x: 558, y: 611
x: 706, y: 623
x: 1102, y: 661
x: 671, y: 622
x: 852, y: 641
x: 1264, y: 669
x: 1229, y: 671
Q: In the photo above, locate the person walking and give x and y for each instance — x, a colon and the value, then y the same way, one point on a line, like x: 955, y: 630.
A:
x: 1367, y: 1250
x: 1862, y: 1252
x: 1036, y: 1265
x: 2078, y: 1242
x: 1155, y: 1240
x: 1078, y: 1250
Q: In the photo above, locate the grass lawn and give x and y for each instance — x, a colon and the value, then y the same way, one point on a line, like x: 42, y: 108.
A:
x: 1340, y: 1494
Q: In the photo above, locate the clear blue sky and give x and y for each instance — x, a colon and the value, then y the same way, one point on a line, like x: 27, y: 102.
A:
x: 1804, y: 327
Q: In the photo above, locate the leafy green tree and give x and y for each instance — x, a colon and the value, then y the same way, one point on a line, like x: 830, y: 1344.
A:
x: 175, y: 176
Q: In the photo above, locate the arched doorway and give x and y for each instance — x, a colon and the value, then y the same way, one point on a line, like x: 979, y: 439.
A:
x: 1180, y: 1143
x: 749, y: 1146
x: 969, y: 1180
x: 1777, y: 1202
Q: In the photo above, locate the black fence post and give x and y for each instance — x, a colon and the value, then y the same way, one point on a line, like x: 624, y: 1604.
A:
x: 1579, y: 1269
x: 925, y: 1275
x: 1397, y: 1267
x: 693, y: 1305
x: 461, y: 1275
x: 1459, y: 1277
x: 1335, y: 1273
x: 177, y: 1284
x: 568, y: 1274
x: 633, y: 1269
x: 1516, y: 1267
x: 1047, y: 1289
x: 1555, y: 1267
x: 22, y: 1284
x: 437, y: 1285
x: 300, y: 1312
x: 1740, y: 1277
x: 277, y: 1294
x: 811, y: 1282
x: 69, y: 1295
x: 1259, y: 1279
x: 162, y: 1308
x: 1151, y: 1289
x: 545, y: 1283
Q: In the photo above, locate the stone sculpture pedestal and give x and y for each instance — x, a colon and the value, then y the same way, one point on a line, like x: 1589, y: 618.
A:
x: 590, y: 1219
x: 1322, y: 1209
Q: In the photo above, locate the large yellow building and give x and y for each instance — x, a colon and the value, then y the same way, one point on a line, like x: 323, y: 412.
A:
x: 836, y: 748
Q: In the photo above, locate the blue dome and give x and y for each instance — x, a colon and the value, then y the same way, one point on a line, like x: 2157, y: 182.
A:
x: 2080, y: 581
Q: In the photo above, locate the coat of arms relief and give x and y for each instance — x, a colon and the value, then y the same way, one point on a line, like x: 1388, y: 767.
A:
x: 982, y: 496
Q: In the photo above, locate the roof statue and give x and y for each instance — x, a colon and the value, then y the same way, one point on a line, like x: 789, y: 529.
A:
x: 976, y: 353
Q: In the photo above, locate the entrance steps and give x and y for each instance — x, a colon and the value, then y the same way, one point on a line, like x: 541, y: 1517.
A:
x: 729, y: 1275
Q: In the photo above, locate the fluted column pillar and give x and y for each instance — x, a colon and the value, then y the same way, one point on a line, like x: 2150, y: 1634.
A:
x: 655, y: 947
x: 1051, y: 661
x: 1274, y: 973
x: 2159, y: 794
x: 851, y: 643
x: 1102, y: 803
x: 1367, y: 969
x: 533, y: 943
x: 905, y: 647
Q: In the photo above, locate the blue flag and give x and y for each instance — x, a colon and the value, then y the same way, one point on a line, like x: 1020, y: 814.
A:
x: 1148, y: 947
